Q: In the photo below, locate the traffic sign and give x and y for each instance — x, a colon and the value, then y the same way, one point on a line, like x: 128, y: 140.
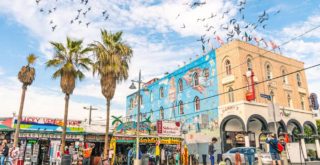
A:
x: 265, y: 96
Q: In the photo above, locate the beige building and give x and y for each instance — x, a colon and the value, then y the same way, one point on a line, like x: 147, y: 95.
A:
x: 275, y: 75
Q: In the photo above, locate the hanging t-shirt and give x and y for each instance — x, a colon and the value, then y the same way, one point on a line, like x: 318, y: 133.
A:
x: 157, y: 150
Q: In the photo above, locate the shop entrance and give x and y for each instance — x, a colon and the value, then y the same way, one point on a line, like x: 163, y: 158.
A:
x: 124, y: 153
x: 232, y: 129
x: 256, y: 125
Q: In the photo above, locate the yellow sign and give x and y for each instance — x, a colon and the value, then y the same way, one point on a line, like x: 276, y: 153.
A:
x: 164, y: 140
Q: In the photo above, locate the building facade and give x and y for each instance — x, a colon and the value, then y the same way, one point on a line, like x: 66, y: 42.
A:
x: 218, y: 95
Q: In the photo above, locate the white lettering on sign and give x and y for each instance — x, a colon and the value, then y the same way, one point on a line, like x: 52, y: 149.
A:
x: 170, y: 128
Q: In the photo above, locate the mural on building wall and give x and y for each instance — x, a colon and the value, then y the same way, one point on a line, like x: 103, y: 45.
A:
x: 198, y: 123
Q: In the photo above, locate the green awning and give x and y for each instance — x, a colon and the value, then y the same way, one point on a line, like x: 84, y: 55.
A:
x: 4, y: 127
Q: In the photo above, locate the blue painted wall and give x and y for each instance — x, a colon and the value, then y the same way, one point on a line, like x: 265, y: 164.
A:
x: 206, y: 117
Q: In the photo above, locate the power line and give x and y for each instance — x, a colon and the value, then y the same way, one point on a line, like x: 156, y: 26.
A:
x: 267, y: 51
x: 253, y: 58
x: 244, y: 87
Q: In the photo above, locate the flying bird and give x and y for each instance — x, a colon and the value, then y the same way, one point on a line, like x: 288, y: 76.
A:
x: 54, y: 27
x: 240, y: 9
x: 79, y: 10
x: 41, y: 10
x: 183, y: 26
x: 49, y: 11
x: 84, y: 13
x: 88, y: 23
x: 264, y: 26
x: 197, y: 4
x: 106, y: 18
x: 89, y: 8
x: 38, y: 1
x: 80, y: 22
x: 104, y: 12
x: 77, y: 17
x: 51, y: 21
x: 55, y: 8
x: 210, y: 27
x: 71, y: 22
x: 233, y: 21
x: 277, y: 12
x: 212, y: 16
x: 178, y: 15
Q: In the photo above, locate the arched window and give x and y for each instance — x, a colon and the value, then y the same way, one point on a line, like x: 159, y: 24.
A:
x: 181, y: 107
x: 196, y: 79
x: 299, y: 80
x: 228, y: 67
x: 302, y: 102
x: 230, y: 95
x: 268, y: 72
x: 151, y: 96
x: 196, y: 103
x: 180, y: 83
x: 161, y: 93
x: 284, y: 76
x: 131, y: 103
x: 161, y: 113
x: 249, y: 64
x: 289, y: 100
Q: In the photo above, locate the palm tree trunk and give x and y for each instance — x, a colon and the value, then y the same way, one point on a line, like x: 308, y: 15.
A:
x: 106, y: 139
x: 65, y: 122
x: 16, y: 135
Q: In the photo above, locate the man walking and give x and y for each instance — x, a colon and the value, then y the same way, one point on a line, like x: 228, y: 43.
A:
x: 273, y: 147
x: 211, y: 150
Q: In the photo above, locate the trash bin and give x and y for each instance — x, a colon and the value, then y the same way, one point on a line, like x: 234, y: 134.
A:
x: 66, y: 160
x: 204, y: 159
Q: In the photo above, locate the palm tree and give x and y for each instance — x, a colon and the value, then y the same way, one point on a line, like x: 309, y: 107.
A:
x: 112, y: 59
x: 26, y: 76
x: 70, y: 62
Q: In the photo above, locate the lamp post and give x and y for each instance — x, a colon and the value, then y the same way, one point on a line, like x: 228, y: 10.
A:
x: 90, y: 108
x: 274, y: 116
x: 132, y: 86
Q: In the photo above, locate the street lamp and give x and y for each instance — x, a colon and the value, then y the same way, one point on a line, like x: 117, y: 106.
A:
x: 90, y: 108
x: 132, y: 86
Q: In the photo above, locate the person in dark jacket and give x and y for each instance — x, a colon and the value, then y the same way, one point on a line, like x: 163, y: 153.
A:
x: 273, y: 148
x: 4, y: 151
x: 211, y: 150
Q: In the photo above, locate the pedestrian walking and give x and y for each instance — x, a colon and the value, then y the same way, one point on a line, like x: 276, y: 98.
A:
x: 237, y: 158
x: 177, y: 157
x: 14, y: 155
x: 250, y: 156
x: 87, y: 154
x: 4, y: 150
x: 273, y: 147
x: 211, y: 150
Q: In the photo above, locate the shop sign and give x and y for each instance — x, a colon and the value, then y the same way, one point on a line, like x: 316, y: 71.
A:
x: 47, y: 136
x: 168, y: 128
x: 148, y: 140
x: 314, y: 101
x: 130, y: 128
x: 170, y: 140
x: 47, y: 124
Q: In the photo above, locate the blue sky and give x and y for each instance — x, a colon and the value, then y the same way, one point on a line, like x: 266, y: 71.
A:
x: 152, y: 28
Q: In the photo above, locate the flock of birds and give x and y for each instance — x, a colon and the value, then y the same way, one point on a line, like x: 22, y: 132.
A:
x: 237, y: 27
x: 80, y: 16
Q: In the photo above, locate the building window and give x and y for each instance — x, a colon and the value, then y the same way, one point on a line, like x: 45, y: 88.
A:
x: 299, y: 80
x: 230, y: 95
x: 249, y: 64
x: 284, y: 77
x: 289, y: 101
x: 161, y: 113
x: 131, y: 103
x: 195, y: 79
x: 180, y: 83
x: 302, y: 102
x: 196, y: 103
x: 268, y: 72
x: 161, y: 92
x: 228, y: 67
x: 151, y: 96
x: 181, y: 108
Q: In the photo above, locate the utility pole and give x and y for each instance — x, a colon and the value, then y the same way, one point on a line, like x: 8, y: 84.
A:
x: 90, y: 108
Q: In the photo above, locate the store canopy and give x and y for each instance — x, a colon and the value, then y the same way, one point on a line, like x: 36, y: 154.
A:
x: 4, y: 127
